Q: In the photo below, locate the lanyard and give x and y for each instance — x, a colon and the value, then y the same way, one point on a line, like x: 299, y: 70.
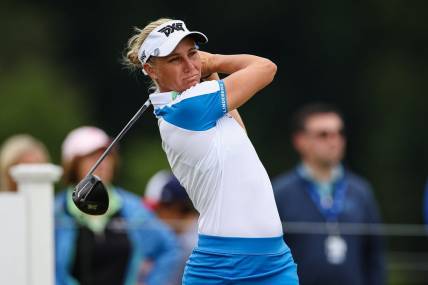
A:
x: 331, y: 210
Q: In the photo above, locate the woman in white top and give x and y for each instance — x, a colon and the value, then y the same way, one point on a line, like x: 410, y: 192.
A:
x: 240, y: 233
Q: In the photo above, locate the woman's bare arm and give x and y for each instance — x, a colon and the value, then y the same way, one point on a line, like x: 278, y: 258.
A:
x: 248, y: 74
x: 234, y: 113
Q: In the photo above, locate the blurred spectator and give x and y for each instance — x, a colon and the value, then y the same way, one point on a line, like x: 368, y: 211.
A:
x: 321, y: 190
x: 169, y: 200
x: 107, y: 249
x: 19, y: 149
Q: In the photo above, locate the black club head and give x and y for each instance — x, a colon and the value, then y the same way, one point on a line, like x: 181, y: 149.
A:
x: 91, y: 196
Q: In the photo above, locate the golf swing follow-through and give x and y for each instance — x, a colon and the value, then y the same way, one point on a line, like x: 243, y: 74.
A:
x: 240, y: 234
x: 90, y: 195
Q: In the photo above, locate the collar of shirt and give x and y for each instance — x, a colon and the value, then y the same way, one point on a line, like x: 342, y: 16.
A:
x: 163, y: 98
x: 324, y: 188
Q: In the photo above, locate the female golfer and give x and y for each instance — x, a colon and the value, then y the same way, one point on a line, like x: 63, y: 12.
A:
x: 240, y: 234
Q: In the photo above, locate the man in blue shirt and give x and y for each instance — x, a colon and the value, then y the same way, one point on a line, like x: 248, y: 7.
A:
x: 321, y: 190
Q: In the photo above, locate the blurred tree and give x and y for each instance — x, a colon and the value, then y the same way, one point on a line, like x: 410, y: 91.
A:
x: 37, y: 94
x: 37, y: 100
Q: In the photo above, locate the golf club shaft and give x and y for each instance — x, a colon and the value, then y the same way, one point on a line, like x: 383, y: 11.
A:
x: 120, y: 135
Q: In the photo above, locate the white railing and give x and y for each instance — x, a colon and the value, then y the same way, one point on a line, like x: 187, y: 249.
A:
x: 27, y: 241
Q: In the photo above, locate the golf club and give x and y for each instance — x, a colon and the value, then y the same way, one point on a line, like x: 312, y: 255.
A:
x: 90, y: 195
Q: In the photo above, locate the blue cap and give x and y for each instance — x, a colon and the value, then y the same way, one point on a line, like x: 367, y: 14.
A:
x: 173, y: 192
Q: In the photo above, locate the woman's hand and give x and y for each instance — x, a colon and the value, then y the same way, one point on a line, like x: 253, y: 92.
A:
x: 207, y: 60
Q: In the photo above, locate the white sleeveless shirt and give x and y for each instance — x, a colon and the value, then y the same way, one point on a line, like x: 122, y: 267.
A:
x: 214, y: 160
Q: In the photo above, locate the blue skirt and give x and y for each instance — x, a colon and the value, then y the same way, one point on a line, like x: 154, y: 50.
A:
x: 243, y: 261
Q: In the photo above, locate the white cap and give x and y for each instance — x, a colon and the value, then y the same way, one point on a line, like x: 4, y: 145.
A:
x: 155, y: 184
x: 154, y: 187
x: 163, y: 40
x: 83, y: 141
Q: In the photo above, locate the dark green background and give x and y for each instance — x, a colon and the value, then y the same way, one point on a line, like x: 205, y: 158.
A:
x: 60, y: 68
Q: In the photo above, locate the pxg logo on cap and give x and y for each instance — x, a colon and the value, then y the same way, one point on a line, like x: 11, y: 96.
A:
x: 167, y: 30
x: 163, y: 40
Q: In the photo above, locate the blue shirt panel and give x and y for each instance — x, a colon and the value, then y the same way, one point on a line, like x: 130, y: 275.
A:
x: 199, y: 112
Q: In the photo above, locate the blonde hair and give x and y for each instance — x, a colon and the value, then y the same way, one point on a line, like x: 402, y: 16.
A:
x: 134, y: 43
x: 11, y: 152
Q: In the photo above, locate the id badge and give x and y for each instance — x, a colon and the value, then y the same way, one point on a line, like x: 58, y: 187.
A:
x: 335, y: 249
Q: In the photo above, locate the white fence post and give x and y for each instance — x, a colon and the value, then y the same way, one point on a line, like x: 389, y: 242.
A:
x: 35, y: 182
x: 13, y: 239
